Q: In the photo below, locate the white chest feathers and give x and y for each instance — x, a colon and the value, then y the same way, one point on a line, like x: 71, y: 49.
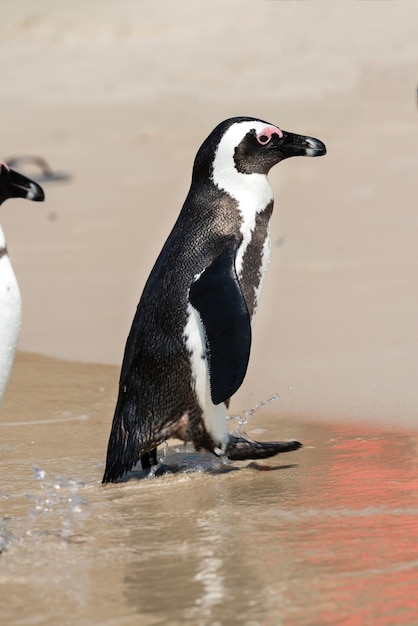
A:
x: 213, y: 415
x: 10, y: 315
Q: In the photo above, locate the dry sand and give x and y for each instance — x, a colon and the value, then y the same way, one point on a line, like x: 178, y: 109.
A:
x: 122, y: 94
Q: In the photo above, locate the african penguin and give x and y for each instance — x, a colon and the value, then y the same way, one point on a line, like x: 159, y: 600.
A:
x: 12, y: 185
x: 189, y: 345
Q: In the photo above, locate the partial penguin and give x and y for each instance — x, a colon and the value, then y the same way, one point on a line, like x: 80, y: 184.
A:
x: 12, y: 185
x: 189, y: 345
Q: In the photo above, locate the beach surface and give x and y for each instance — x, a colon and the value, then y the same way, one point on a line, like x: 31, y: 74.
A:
x: 118, y: 97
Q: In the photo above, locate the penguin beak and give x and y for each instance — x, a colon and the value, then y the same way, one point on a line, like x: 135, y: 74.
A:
x: 22, y: 187
x: 300, y: 145
x: 19, y: 186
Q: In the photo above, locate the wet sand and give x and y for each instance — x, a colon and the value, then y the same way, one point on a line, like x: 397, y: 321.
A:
x: 120, y: 96
x: 324, y: 535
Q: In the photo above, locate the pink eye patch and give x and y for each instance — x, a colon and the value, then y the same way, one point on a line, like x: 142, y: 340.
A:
x: 264, y: 135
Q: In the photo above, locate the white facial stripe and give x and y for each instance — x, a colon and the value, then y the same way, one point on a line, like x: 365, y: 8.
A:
x: 252, y: 191
x: 214, y: 416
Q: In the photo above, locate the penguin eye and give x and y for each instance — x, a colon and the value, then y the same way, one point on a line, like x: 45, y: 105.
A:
x: 263, y: 139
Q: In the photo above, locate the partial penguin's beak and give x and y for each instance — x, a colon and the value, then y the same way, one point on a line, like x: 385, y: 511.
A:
x: 300, y: 145
x: 15, y: 185
x: 20, y: 186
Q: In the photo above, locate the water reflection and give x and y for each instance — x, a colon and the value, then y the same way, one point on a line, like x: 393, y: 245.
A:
x: 196, y: 566
x: 327, y: 536
x: 330, y: 540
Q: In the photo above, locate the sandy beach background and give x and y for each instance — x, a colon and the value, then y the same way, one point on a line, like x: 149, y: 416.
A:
x: 120, y: 96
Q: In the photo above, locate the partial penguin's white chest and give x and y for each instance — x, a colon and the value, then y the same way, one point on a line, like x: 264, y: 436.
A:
x: 10, y: 315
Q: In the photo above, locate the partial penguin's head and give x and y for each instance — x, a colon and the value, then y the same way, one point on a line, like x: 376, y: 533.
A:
x: 15, y: 185
x: 247, y: 145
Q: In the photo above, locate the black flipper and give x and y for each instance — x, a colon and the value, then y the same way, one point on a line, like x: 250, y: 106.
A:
x: 218, y: 298
x: 240, y: 449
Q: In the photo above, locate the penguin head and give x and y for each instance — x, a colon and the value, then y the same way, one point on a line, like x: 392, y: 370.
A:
x: 251, y: 146
x: 15, y: 185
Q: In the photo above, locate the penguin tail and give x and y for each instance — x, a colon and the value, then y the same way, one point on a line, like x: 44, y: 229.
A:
x: 124, y: 447
x: 240, y: 449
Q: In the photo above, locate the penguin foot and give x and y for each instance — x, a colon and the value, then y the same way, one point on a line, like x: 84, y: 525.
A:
x: 152, y: 465
x: 240, y: 449
x: 148, y: 459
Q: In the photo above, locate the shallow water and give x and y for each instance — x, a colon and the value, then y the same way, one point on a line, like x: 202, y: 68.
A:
x: 324, y: 535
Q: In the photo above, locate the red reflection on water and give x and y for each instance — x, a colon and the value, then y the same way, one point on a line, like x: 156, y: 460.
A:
x: 365, y: 549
